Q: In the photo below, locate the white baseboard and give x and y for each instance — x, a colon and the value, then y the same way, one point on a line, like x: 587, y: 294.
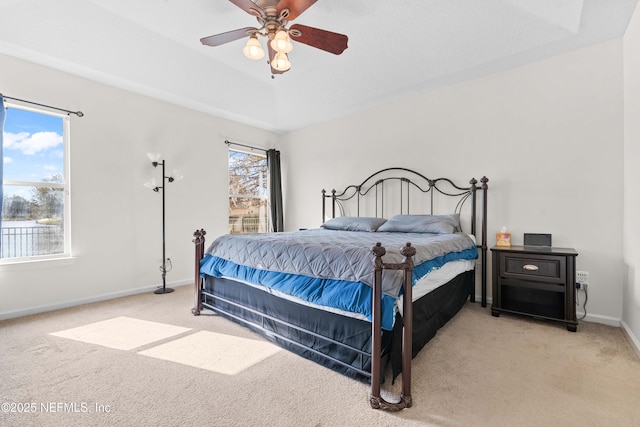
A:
x: 88, y: 300
x: 635, y: 343
x: 605, y: 320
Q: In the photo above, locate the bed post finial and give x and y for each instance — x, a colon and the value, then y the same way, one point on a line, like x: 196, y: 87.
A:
x: 198, y: 236
x: 408, y: 251
x: 379, y: 250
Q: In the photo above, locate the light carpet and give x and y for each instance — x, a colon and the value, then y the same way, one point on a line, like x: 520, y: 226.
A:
x: 214, y: 352
x: 478, y: 371
x: 123, y: 333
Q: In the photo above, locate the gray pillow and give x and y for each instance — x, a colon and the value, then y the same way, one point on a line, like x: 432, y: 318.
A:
x: 440, y: 224
x: 354, y: 223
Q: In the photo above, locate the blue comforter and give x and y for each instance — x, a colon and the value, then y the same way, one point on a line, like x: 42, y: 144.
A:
x: 331, y: 268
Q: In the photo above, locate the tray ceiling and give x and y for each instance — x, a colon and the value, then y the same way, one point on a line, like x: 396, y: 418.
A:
x: 396, y: 49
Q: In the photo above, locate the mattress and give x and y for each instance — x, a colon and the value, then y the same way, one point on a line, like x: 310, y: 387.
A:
x: 332, y: 270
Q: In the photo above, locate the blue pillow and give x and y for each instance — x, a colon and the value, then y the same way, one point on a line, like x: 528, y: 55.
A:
x: 439, y: 224
x: 354, y: 223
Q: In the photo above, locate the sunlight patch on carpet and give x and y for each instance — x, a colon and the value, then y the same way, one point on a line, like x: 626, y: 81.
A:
x: 122, y: 333
x: 215, y: 352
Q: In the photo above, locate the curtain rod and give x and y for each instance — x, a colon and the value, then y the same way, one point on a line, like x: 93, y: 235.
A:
x: 77, y: 113
x: 246, y: 146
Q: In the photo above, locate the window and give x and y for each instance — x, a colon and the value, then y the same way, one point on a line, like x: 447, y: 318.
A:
x: 248, y: 193
x: 35, y: 220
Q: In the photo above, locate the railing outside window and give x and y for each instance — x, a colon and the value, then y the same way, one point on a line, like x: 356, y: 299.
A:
x: 19, y: 242
x: 244, y: 225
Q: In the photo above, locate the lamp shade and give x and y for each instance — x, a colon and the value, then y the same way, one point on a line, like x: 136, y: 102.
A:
x: 281, y: 62
x: 281, y: 42
x: 151, y: 184
x: 176, y: 175
x: 253, y: 50
x: 154, y: 157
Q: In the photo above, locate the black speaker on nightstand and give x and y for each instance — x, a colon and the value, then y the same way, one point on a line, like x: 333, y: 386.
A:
x: 537, y: 239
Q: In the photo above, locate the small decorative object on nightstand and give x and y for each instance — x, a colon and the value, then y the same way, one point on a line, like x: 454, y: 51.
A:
x: 535, y: 281
x: 503, y: 238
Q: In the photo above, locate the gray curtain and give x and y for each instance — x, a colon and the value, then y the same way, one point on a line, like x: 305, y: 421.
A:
x: 275, y: 185
x: 2, y: 115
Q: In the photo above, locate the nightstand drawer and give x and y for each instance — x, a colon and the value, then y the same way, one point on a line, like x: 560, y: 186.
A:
x: 548, y: 268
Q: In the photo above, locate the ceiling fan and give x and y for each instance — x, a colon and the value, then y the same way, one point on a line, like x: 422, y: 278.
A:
x: 274, y: 16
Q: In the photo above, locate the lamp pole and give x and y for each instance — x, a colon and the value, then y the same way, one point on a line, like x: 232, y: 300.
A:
x: 163, y: 268
x: 155, y: 161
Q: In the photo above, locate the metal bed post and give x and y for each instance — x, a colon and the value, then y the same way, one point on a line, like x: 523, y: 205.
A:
x: 485, y: 187
x: 376, y: 401
x: 333, y: 204
x: 199, y: 243
x: 473, y: 188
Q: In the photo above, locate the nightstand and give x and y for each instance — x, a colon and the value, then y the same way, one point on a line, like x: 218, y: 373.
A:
x: 535, y: 281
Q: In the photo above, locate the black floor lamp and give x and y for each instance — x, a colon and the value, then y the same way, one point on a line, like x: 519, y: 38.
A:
x: 152, y: 184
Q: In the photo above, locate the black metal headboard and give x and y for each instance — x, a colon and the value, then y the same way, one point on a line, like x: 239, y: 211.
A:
x: 411, y: 189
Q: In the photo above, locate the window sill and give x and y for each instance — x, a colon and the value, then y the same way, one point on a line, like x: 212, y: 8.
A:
x: 30, y: 264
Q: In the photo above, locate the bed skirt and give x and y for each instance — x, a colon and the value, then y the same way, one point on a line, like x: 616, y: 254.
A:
x: 340, y: 343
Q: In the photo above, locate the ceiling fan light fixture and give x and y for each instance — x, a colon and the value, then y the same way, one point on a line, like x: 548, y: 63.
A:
x: 281, y: 42
x: 281, y: 62
x: 273, y: 18
x: 253, y: 50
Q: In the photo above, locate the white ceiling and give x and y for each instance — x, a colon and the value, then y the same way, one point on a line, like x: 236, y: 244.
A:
x: 396, y: 49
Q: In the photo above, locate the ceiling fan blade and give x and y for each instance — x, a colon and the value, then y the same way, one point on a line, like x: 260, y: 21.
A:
x: 229, y: 36
x: 249, y: 7
x: 322, y: 39
x: 272, y: 53
x: 296, y: 7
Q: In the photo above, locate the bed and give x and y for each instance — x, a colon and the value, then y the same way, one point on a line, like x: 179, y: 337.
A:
x: 366, y: 289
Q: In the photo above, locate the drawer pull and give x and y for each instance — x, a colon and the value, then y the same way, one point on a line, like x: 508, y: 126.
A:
x: 530, y: 267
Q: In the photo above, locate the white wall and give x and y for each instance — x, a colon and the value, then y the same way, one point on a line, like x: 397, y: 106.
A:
x: 631, y: 289
x: 116, y: 222
x: 548, y: 135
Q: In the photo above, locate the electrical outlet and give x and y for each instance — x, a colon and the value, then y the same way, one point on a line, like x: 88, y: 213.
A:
x: 582, y: 277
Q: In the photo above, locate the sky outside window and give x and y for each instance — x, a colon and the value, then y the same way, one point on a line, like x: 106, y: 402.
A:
x: 33, y: 148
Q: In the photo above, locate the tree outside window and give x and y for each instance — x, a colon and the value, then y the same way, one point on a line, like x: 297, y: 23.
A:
x: 248, y: 193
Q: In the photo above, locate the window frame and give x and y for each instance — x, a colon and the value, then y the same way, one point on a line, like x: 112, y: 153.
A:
x: 66, y: 163
x: 267, y: 198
